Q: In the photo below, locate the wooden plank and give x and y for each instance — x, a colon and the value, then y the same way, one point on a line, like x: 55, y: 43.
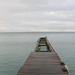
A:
x: 44, y: 57
x: 45, y: 61
x: 40, y: 63
x: 42, y: 70
x: 43, y: 64
x: 36, y: 63
x: 42, y: 45
x: 40, y: 74
x: 43, y: 53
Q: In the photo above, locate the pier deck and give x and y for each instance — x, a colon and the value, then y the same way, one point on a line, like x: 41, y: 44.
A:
x: 45, y: 62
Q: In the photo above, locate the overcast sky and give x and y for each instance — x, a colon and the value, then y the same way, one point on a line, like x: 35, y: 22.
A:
x: 37, y: 15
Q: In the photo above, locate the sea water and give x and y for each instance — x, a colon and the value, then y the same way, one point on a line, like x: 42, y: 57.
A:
x: 16, y: 47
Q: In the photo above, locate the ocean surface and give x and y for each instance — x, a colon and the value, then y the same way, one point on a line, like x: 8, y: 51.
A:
x: 16, y: 47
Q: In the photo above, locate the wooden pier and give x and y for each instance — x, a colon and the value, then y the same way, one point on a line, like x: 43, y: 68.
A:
x: 43, y: 61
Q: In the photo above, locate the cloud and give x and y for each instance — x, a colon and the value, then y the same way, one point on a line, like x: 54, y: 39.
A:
x: 37, y: 15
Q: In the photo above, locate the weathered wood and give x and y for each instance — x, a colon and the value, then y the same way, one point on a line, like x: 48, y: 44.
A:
x: 40, y: 74
x: 37, y: 45
x: 42, y: 63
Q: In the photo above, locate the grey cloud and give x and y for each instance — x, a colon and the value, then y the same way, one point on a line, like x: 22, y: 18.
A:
x: 28, y: 15
x: 40, y: 5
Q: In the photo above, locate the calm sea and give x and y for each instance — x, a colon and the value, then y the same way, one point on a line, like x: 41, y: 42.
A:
x: 16, y: 47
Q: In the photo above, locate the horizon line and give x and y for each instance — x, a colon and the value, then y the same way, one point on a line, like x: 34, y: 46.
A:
x: 41, y: 31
